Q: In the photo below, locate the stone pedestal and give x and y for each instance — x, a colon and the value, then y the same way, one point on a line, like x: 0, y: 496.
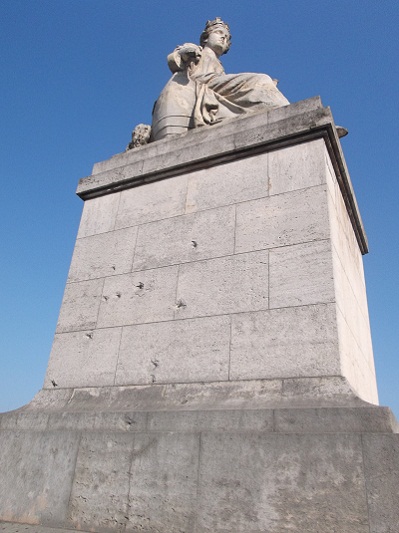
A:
x: 213, y: 357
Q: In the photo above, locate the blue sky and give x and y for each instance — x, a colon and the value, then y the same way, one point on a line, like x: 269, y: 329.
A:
x: 77, y: 75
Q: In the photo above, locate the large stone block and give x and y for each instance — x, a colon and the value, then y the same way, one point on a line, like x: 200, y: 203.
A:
x: 197, y: 471
x: 36, y: 474
x: 228, y: 184
x: 300, y: 484
x: 297, y: 167
x: 289, y: 342
x: 84, y: 358
x: 80, y: 306
x: 163, y: 492
x: 106, y: 254
x: 152, y: 201
x: 301, y: 274
x: 101, y: 482
x: 381, y: 463
x: 173, y: 352
x: 99, y: 215
x: 187, y: 238
x: 147, y: 296
x: 281, y: 220
x: 225, y: 285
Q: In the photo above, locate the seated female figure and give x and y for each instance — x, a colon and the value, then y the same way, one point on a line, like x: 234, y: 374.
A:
x: 200, y: 92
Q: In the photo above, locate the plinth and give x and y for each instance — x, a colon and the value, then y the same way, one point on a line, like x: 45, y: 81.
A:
x: 212, y: 368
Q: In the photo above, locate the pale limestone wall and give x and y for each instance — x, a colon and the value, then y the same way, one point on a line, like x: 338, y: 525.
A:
x: 222, y: 274
x: 357, y: 361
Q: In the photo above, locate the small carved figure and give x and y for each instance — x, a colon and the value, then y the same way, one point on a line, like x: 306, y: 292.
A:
x: 140, y: 135
x: 200, y: 92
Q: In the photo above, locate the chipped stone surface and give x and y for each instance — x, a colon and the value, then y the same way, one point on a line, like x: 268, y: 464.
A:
x: 188, y: 238
x: 106, y: 254
x: 84, y: 358
x: 148, y: 296
x: 256, y: 232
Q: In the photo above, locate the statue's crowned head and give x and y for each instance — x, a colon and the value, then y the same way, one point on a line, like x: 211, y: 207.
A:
x: 212, y: 26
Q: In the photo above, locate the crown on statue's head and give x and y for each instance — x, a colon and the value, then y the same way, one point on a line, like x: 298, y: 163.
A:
x: 212, y: 24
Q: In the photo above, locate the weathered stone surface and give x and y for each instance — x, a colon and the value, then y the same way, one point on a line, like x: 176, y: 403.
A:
x: 163, y: 492
x: 189, y: 421
x: 80, y: 306
x: 381, y: 463
x: 99, y: 215
x: 301, y: 275
x: 325, y: 391
x: 182, y: 351
x: 300, y: 484
x: 101, y: 482
x: 299, y: 341
x: 334, y: 420
x: 238, y: 181
x: 155, y: 201
x: 297, y: 167
x: 139, y: 297
x: 84, y: 358
x: 226, y: 285
x: 106, y: 254
x: 191, y: 237
x: 31, y: 466
x: 274, y: 470
x: 281, y: 220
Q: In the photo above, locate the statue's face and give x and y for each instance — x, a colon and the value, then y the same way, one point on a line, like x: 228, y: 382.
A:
x: 218, y: 41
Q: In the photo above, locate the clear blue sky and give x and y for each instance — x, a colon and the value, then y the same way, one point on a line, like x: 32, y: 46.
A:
x: 77, y: 75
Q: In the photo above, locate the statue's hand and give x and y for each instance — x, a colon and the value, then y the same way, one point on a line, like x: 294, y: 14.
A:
x: 184, y: 56
x: 189, y: 52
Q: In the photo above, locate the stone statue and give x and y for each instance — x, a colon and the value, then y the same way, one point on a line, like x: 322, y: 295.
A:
x: 200, y: 92
x: 140, y: 136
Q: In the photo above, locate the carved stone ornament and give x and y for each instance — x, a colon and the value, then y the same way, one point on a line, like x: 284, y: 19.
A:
x: 140, y: 135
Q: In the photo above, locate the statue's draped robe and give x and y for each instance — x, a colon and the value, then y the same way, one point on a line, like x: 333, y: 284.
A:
x: 200, y: 92
x: 220, y: 95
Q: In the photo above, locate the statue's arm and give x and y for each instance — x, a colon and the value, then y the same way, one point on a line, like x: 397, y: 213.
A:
x: 183, y: 56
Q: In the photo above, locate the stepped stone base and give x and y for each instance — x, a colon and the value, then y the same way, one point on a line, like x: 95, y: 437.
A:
x: 240, y: 470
